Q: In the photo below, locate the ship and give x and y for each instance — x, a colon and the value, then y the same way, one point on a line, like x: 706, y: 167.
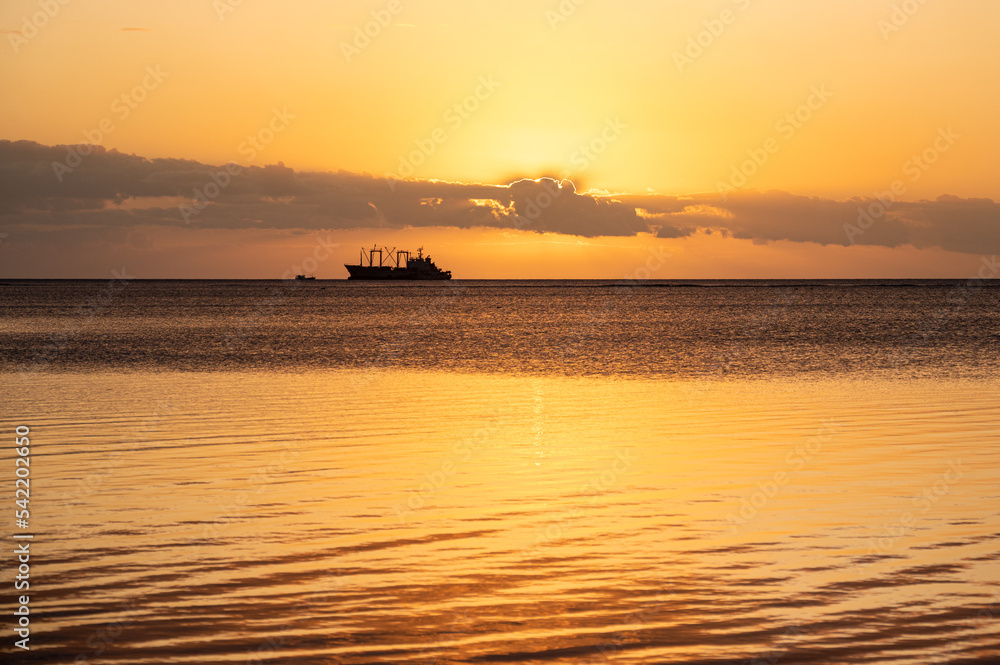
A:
x: 303, y: 278
x: 395, y: 265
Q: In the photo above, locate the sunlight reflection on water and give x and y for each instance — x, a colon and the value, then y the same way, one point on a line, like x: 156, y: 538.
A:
x: 346, y: 516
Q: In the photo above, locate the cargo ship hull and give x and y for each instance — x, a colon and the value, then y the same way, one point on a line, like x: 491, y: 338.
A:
x: 395, y: 265
x: 390, y: 273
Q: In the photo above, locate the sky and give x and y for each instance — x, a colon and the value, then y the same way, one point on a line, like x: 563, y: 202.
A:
x: 516, y: 139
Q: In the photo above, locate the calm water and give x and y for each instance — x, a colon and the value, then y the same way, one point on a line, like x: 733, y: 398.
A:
x: 508, y: 472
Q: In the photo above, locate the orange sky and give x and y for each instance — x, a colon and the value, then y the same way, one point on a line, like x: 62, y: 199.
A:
x: 817, y: 99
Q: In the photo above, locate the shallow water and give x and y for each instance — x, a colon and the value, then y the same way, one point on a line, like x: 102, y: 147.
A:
x: 708, y: 476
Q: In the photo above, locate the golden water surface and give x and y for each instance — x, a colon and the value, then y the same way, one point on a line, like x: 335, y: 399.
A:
x: 352, y: 516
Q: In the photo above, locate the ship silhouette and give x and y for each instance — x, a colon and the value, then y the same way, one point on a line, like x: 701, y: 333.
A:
x: 395, y: 265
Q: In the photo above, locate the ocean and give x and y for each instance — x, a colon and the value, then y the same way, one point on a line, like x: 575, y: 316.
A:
x: 684, y: 472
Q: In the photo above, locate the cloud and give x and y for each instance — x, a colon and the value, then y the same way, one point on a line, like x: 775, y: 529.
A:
x: 970, y: 226
x: 109, y: 189
x: 41, y: 184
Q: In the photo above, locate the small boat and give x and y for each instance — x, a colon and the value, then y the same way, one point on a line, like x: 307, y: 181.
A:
x: 304, y: 277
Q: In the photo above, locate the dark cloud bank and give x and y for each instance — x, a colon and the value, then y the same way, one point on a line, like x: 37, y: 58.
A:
x: 52, y: 188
